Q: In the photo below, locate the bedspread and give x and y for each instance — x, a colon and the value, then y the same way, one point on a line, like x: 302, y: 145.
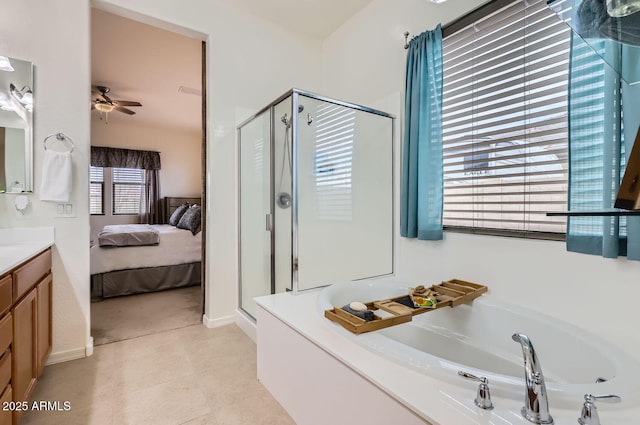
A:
x: 128, y: 235
x: 177, y: 246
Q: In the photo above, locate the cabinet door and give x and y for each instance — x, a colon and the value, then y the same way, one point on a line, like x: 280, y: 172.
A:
x: 44, y: 289
x: 25, y: 357
x: 5, y: 415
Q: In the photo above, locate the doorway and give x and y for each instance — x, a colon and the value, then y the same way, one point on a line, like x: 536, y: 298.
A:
x: 148, y: 95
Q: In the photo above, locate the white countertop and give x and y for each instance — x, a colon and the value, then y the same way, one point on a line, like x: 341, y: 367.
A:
x: 436, y: 401
x: 19, y: 244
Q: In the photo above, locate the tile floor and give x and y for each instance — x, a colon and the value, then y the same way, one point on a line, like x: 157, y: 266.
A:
x: 187, y: 376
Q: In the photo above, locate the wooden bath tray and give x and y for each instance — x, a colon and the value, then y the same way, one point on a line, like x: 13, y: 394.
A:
x: 451, y: 293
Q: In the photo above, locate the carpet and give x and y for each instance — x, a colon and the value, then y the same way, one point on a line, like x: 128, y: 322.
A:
x: 132, y: 316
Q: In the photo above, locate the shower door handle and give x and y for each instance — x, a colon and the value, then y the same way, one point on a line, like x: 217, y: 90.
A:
x: 268, y: 223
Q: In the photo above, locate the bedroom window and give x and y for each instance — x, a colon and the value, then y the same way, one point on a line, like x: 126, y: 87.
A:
x: 505, y: 123
x: 128, y: 185
x: 96, y: 191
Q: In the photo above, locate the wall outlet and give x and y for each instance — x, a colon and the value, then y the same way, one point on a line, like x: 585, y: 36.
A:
x: 65, y: 210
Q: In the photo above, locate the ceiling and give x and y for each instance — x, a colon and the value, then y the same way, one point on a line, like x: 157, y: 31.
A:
x: 317, y: 18
x: 143, y: 63
x: 139, y: 62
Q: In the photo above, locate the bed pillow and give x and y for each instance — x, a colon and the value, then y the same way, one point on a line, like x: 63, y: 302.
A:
x: 190, y: 220
x: 177, y: 214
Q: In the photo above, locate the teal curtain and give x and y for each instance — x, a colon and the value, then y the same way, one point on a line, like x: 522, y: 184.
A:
x: 421, y: 192
x: 600, y: 139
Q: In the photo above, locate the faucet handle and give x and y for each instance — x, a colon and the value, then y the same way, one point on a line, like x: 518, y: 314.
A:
x: 589, y: 414
x: 483, y: 397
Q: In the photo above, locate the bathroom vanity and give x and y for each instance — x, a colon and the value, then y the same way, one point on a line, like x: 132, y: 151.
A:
x: 26, y: 284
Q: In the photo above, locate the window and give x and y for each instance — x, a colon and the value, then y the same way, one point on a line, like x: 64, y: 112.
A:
x: 96, y: 190
x: 128, y: 186
x: 505, y: 122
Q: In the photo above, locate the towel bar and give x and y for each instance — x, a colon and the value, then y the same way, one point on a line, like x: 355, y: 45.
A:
x: 61, y: 137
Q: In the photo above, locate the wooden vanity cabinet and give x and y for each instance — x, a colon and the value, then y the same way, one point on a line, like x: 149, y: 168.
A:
x: 25, y: 356
x: 6, y: 416
x: 6, y: 338
x: 25, y: 330
x: 45, y: 338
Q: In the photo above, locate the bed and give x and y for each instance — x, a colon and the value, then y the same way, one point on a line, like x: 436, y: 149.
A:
x: 138, y: 259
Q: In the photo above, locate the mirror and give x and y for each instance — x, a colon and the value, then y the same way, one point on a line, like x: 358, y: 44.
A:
x: 16, y: 125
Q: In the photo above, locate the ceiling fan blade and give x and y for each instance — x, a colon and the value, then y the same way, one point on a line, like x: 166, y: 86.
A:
x: 101, y: 88
x: 123, y: 109
x: 107, y: 98
x: 127, y: 103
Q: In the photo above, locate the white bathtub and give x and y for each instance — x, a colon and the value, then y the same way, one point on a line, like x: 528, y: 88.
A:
x: 476, y: 338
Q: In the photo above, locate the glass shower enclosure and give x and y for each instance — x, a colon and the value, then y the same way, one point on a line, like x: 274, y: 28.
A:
x: 316, y: 195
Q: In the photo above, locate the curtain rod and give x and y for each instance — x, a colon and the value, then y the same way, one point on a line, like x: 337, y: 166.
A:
x: 469, y: 18
x: 457, y: 24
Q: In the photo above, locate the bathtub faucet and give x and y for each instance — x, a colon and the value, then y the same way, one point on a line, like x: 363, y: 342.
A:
x: 536, y: 404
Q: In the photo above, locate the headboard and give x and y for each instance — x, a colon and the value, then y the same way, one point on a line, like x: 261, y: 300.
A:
x: 171, y: 203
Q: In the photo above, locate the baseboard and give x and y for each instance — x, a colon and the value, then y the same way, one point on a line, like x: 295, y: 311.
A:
x: 217, y: 322
x: 247, y: 325
x: 88, y: 349
x: 68, y: 355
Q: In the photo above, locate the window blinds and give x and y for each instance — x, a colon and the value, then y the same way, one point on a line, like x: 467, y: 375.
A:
x: 127, y: 190
x: 505, y: 121
x: 96, y: 187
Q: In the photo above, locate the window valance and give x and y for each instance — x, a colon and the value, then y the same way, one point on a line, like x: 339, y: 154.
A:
x: 124, y: 158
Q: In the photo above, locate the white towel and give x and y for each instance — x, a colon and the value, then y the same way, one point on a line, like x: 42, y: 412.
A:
x: 56, y: 176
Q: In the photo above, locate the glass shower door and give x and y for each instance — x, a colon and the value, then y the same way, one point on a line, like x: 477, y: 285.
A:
x: 255, y: 211
x: 344, y: 193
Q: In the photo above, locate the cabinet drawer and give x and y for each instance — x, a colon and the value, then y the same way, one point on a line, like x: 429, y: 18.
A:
x: 25, y: 277
x: 6, y: 291
x: 6, y: 332
x: 5, y: 369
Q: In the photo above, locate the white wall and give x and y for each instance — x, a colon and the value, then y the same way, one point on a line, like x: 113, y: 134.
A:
x: 180, y: 156
x: 54, y: 35
x: 250, y: 62
x: 364, y: 62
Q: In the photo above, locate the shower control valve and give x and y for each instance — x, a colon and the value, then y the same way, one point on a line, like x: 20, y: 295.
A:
x: 589, y: 414
x: 483, y: 397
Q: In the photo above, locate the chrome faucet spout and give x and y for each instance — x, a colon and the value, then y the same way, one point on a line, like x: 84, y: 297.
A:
x: 536, y: 404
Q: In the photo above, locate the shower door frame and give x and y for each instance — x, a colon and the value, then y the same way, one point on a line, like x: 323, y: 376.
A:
x: 295, y: 102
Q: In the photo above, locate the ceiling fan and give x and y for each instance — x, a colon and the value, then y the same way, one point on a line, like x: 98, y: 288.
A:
x: 105, y: 104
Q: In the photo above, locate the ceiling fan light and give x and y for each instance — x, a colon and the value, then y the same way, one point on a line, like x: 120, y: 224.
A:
x: 104, y: 107
x: 5, y: 64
